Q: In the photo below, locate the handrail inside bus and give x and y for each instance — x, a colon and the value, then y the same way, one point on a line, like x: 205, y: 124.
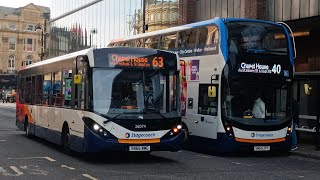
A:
x: 293, y: 42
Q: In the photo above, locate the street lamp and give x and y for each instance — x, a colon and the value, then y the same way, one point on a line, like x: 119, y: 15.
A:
x: 38, y: 27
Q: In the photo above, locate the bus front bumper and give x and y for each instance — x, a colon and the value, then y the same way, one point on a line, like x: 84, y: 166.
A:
x: 95, y: 143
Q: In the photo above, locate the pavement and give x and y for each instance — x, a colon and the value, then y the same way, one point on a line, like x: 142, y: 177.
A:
x: 307, y: 150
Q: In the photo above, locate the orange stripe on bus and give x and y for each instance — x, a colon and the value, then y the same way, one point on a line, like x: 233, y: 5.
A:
x: 138, y: 141
x: 260, y: 140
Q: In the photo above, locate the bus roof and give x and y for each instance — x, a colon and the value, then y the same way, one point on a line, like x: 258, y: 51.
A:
x: 90, y: 53
x: 59, y: 58
x: 216, y: 20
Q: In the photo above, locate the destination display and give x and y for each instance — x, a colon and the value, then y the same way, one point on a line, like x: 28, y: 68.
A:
x: 277, y: 66
x: 136, y: 61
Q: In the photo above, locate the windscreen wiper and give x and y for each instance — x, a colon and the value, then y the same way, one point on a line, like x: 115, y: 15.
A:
x: 109, y: 119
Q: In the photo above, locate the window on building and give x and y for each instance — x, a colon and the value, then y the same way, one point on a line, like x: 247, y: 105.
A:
x: 11, y: 62
x: 12, y: 26
x: 168, y: 41
x: 28, y: 44
x: 174, y: 15
x: 187, y: 38
x: 158, y: 16
x: 12, y: 43
x: 30, y: 27
x: 151, y: 17
x: 27, y: 62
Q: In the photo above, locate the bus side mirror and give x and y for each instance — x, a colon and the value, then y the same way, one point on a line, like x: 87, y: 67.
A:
x: 77, y: 79
x: 212, y: 91
x: 307, y: 89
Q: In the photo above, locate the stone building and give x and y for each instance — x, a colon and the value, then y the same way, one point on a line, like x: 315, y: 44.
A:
x: 21, y: 40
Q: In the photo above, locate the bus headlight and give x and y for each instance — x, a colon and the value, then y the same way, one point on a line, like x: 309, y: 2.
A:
x: 289, y: 131
x: 95, y: 127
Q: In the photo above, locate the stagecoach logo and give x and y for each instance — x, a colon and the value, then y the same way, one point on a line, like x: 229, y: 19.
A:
x: 127, y: 135
x: 140, y: 135
x: 261, y: 135
x: 252, y: 134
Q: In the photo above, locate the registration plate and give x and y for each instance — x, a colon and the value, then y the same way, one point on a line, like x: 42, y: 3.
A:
x: 139, y: 148
x: 261, y: 148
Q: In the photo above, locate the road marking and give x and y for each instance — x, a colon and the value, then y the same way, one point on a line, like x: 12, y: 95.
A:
x: 47, y: 158
x: 2, y: 140
x: 208, y: 157
x: 15, y: 169
x: 301, y: 176
x: 31, y: 169
x: 88, y: 176
x: 237, y: 163
x: 65, y: 166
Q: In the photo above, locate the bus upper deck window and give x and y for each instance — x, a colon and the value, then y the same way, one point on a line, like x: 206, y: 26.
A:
x: 187, y: 38
x: 168, y: 41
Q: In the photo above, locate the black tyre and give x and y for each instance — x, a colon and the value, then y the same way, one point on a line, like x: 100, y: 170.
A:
x: 186, y: 143
x: 65, y: 140
x: 27, y: 128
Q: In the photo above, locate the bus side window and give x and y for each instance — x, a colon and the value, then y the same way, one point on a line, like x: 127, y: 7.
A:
x: 33, y: 92
x: 27, y: 90
x: 56, y: 98
x: 39, y: 89
x: 21, y: 89
x: 152, y: 42
x: 168, y: 41
x: 138, y: 43
x: 187, y: 38
x: 208, y: 104
x: 46, y: 89
x: 208, y: 35
x: 67, y: 88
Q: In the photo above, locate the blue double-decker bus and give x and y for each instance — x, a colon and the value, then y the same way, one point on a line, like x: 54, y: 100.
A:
x: 236, y: 78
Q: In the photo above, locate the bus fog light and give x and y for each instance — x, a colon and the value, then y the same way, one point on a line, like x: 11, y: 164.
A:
x: 289, y: 129
x: 171, y: 133
x: 175, y: 130
x: 105, y: 134
x: 228, y: 128
x: 96, y: 127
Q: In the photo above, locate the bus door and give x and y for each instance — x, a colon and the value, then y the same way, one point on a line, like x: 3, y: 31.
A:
x: 202, y: 113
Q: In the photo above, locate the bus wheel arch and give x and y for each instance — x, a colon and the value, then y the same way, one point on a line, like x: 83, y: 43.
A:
x: 65, y: 137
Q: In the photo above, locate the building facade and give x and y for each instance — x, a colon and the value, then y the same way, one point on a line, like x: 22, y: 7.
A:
x: 79, y: 24
x: 20, y: 43
x: 161, y: 14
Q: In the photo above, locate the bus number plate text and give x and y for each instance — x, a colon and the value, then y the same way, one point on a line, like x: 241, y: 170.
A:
x: 261, y: 148
x: 139, y: 148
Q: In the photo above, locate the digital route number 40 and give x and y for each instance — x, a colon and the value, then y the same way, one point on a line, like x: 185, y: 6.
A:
x: 276, y: 69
